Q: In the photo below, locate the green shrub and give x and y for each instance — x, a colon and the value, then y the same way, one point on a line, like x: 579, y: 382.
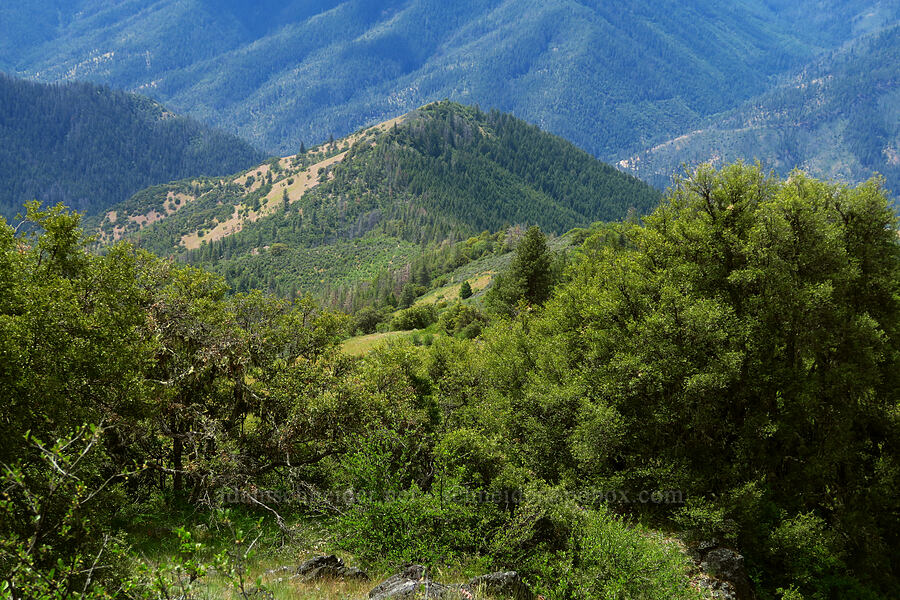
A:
x: 368, y: 319
x: 569, y: 553
x: 392, y: 522
x: 54, y: 509
x: 415, y: 317
x: 621, y: 561
x: 462, y: 319
x: 807, y: 554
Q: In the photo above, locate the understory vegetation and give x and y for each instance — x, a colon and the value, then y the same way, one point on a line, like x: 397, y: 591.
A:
x: 725, y: 370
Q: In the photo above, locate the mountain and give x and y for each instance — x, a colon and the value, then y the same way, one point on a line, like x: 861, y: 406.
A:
x: 612, y: 78
x: 344, y: 210
x: 91, y: 147
x: 838, y: 117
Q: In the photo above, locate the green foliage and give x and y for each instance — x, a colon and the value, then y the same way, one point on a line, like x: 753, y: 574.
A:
x: 69, y: 325
x: 806, y: 549
x: 464, y: 320
x: 416, y: 317
x: 367, y: 319
x: 529, y: 278
x: 574, y: 553
x: 817, y: 119
x: 740, y: 348
x: 209, y: 393
x: 620, y: 561
x: 185, y: 574
x: 55, y: 539
x: 610, y: 80
x: 446, y: 172
x: 465, y: 290
x: 408, y: 295
x: 91, y: 147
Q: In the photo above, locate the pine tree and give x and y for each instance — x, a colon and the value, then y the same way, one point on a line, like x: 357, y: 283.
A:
x: 465, y: 290
x: 408, y: 295
x: 529, y: 277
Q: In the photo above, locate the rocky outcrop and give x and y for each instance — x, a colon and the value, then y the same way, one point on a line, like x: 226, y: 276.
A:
x: 328, y: 567
x: 317, y: 569
x: 722, y: 574
x: 414, y: 583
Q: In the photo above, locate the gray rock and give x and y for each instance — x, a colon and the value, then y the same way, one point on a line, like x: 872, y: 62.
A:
x: 723, y: 563
x: 699, y: 550
x: 717, y: 589
x: 318, y: 563
x: 413, y: 583
x: 502, y: 585
x: 328, y: 567
x: 410, y: 589
x: 404, y: 582
x: 728, y: 565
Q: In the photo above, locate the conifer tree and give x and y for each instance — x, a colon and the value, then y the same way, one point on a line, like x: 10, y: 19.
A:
x: 529, y: 277
x: 408, y: 295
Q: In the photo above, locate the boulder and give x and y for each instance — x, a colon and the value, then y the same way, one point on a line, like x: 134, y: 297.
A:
x: 716, y: 589
x: 413, y: 583
x: 728, y: 566
x: 355, y: 573
x: 404, y: 584
x: 328, y: 567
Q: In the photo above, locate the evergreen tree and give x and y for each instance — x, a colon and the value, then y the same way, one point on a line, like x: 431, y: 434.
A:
x: 408, y: 295
x: 529, y: 278
x: 465, y: 290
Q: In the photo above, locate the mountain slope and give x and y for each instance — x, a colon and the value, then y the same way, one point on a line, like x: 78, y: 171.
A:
x: 608, y: 77
x: 838, y: 118
x: 443, y: 172
x: 91, y: 147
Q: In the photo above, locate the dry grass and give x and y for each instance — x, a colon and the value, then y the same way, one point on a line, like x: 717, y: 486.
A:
x: 284, y: 588
x: 276, y: 574
x: 363, y: 344
x: 304, y: 181
x: 450, y: 293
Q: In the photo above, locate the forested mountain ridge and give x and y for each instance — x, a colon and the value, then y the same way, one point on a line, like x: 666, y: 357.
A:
x: 839, y: 117
x: 610, y: 78
x: 90, y: 147
x: 441, y: 173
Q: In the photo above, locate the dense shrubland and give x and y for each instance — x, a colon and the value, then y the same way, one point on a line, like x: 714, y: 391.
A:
x: 723, y: 371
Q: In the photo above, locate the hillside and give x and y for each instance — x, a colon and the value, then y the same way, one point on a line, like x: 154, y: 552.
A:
x: 838, y: 118
x: 443, y: 172
x: 610, y: 78
x: 90, y: 147
x: 695, y: 406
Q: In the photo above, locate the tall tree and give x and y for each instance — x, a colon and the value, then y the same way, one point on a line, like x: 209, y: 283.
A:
x: 529, y: 278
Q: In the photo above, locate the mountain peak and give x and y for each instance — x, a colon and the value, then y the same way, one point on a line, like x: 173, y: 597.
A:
x: 445, y: 171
